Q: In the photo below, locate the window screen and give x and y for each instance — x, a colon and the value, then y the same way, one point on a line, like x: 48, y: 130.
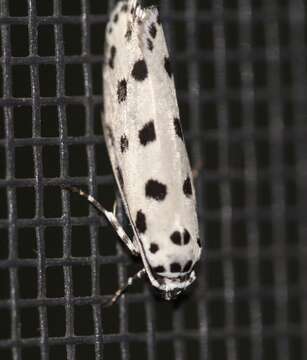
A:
x: 240, y: 71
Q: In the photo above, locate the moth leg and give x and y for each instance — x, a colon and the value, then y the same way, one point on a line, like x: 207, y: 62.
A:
x: 110, y: 217
x: 134, y: 4
x: 121, y: 290
x: 118, y: 205
x: 138, y: 12
x: 114, y: 208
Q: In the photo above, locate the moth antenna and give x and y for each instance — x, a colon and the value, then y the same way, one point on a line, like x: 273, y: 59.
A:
x: 109, y: 215
x: 139, y: 275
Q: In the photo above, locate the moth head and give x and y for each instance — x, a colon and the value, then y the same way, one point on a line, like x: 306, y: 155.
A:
x: 170, y: 288
x: 171, y: 294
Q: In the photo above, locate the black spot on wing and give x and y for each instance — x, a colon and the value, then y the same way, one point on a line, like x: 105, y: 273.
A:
x: 112, y: 56
x: 153, y: 30
x: 153, y: 248
x: 124, y: 8
x: 187, y: 187
x: 199, y: 242
x: 176, y: 237
x: 140, y: 71
x: 175, y: 267
x: 128, y: 33
x: 178, y: 128
x: 180, y: 239
x: 120, y: 177
x: 156, y: 190
x: 187, y: 266
x: 150, y: 45
x: 115, y: 18
x: 109, y: 134
x: 122, y: 90
x: 168, y: 66
x: 140, y: 222
x: 158, y: 19
x: 186, y: 237
x: 159, y: 269
x: 147, y: 134
x: 110, y: 30
x: 124, y: 143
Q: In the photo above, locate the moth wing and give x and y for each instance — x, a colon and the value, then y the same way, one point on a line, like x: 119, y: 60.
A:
x: 121, y: 52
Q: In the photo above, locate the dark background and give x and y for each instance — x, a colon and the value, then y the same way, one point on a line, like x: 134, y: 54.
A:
x: 240, y: 70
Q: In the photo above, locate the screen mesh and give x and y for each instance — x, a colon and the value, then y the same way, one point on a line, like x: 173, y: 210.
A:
x: 240, y: 70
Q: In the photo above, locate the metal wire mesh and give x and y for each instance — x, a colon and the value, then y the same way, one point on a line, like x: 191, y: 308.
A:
x: 241, y: 76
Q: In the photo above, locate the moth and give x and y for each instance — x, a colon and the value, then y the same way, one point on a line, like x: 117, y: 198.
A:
x: 147, y: 150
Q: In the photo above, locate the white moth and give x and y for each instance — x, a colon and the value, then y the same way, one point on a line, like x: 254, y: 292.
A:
x: 147, y: 150
x: 146, y: 147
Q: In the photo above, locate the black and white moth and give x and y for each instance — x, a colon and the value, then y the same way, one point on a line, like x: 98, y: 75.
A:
x: 147, y: 150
